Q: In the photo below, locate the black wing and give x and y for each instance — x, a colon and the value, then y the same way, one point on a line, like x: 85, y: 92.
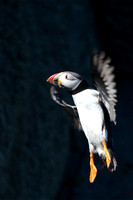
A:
x: 71, y: 110
x: 103, y: 79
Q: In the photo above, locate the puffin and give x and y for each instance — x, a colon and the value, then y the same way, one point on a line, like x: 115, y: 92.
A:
x: 94, y: 108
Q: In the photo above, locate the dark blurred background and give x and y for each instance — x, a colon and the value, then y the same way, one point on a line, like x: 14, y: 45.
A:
x: 41, y: 156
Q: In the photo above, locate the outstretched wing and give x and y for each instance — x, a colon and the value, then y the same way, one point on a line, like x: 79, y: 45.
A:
x: 103, y: 78
x: 71, y: 110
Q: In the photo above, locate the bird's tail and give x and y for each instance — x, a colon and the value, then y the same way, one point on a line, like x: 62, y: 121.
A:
x: 113, y: 163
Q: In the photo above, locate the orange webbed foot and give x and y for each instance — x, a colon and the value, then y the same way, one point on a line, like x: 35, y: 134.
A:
x: 108, y: 159
x: 93, y: 169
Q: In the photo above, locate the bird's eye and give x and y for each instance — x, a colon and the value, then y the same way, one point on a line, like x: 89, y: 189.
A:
x: 66, y: 76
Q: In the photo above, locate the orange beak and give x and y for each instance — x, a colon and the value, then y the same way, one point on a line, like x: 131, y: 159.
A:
x: 53, y: 79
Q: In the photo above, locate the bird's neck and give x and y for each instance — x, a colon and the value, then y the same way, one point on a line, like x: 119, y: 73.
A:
x: 82, y: 86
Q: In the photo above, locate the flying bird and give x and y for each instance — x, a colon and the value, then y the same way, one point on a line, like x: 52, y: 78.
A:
x: 94, y: 108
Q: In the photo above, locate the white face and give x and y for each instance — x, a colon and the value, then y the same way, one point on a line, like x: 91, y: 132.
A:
x: 69, y: 80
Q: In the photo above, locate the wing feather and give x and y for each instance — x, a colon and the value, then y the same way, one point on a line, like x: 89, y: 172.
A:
x: 71, y: 110
x: 103, y: 78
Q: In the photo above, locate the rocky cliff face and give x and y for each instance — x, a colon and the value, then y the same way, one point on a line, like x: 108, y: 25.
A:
x: 41, y: 156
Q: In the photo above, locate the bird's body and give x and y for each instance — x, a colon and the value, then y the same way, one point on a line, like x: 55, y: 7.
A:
x: 93, y: 110
x: 91, y: 117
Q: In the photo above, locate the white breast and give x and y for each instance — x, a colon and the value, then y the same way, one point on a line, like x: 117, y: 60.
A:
x: 90, y: 114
